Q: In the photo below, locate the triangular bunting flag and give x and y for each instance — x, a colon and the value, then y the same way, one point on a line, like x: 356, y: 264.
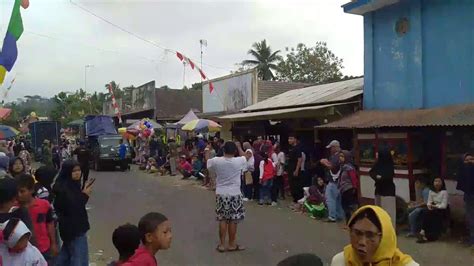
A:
x: 180, y: 56
x: 211, y: 87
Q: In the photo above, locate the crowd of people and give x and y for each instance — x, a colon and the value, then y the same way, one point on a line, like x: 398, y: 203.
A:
x: 44, y: 220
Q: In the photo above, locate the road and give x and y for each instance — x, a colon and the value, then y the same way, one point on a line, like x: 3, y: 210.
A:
x: 269, y: 233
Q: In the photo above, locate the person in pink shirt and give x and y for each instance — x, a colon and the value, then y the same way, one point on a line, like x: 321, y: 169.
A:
x: 155, y: 231
x: 185, y: 168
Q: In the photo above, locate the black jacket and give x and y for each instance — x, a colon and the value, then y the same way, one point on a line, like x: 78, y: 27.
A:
x: 70, y: 206
x: 383, y: 186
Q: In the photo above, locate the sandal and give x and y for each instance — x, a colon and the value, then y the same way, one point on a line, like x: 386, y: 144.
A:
x: 237, y: 248
x: 220, y: 249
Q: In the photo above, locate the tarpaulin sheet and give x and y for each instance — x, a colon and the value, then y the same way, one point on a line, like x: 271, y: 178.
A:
x: 100, y: 125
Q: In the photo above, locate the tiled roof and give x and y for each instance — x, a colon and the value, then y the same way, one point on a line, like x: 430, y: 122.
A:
x: 268, y: 89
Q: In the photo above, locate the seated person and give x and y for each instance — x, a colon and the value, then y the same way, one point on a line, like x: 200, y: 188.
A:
x: 197, y: 167
x: 185, y: 167
x: 315, y: 202
x: 416, y: 209
x: 165, y: 167
x: 143, y: 163
x: 16, y: 249
x: 433, y: 216
x: 151, y: 166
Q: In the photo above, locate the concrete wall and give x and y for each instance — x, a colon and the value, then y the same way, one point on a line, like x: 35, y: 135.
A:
x: 431, y: 65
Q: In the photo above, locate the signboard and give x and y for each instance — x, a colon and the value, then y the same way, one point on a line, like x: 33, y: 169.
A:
x: 231, y: 93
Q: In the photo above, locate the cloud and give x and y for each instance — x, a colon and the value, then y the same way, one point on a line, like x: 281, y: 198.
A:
x: 60, y: 39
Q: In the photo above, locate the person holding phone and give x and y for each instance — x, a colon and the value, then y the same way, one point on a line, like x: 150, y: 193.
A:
x: 70, y: 205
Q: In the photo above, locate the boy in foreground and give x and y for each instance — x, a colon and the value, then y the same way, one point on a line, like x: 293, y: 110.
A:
x: 126, y: 239
x: 41, y: 214
x: 155, y: 233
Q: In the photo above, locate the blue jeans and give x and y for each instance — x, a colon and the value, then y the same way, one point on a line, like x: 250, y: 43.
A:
x: 74, y: 253
x: 266, y: 191
x: 333, y: 201
x: 469, y: 205
x: 414, y: 220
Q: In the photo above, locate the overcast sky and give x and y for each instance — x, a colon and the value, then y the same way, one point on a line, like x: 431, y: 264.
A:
x: 60, y: 39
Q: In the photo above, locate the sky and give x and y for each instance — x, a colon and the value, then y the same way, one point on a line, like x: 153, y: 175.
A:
x: 60, y: 39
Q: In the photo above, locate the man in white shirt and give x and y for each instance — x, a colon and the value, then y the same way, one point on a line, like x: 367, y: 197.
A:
x: 229, y: 200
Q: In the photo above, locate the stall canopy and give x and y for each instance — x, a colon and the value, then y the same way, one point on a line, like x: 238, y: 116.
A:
x: 190, y: 116
x: 5, y: 113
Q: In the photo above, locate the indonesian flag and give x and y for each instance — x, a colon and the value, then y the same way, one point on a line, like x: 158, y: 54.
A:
x: 180, y: 56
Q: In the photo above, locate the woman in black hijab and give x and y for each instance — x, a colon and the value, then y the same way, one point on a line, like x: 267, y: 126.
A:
x: 382, y: 173
x: 70, y: 205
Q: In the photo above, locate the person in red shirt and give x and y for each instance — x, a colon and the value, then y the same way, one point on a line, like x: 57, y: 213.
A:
x: 126, y: 239
x: 155, y: 231
x: 185, y: 168
x: 41, y: 214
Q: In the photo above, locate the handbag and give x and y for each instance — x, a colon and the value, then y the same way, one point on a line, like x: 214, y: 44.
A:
x: 248, y: 178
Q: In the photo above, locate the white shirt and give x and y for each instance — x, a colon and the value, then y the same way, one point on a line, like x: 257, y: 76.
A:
x: 438, y: 199
x: 279, y: 163
x: 29, y: 256
x: 228, y: 174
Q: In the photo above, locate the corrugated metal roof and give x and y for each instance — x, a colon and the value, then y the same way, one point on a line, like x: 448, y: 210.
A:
x: 319, y: 94
x: 268, y: 89
x: 270, y: 113
x: 455, y: 115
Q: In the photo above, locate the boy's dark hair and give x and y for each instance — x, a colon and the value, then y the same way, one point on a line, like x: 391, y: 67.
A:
x: 126, y: 239
x: 45, y: 176
x: 149, y: 223
x: 301, y: 260
x: 8, y: 189
x: 26, y: 181
x: 230, y: 148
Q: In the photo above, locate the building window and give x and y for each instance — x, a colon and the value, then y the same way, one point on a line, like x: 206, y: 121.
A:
x: 402, y: 26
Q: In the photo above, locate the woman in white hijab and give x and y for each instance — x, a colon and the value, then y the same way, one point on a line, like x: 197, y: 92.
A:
x: 247, y: 182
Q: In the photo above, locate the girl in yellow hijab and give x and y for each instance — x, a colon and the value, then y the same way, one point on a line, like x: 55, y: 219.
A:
x: 373, y: 241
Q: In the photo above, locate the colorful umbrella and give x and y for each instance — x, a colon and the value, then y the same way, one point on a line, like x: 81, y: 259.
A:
x: 7, y: 132
x: 202, y: 125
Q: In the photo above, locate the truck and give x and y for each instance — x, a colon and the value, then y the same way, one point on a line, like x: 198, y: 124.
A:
x: 103, y: 141
x: 41, y: 131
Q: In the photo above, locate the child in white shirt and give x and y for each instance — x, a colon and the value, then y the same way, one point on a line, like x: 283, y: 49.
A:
x: 16, y: 248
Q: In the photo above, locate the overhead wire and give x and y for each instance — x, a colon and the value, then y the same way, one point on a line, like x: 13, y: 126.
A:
x: 138, y: 36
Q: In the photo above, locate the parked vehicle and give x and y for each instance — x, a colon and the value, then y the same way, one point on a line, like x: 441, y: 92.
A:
x: 42, y: 130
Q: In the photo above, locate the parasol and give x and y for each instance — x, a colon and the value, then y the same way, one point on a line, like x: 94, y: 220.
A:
x: 202, y: 125
x: 7, y: 132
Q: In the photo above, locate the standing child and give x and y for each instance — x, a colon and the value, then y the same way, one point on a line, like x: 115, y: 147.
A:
x: 45, y: 177
x: 155, y: 233
x: 17, y: 250
x: 267, y: 173
x: 41, y: 215
x: 126, y: 239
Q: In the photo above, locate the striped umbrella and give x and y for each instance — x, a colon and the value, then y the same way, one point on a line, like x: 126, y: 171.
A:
x: 202, y: 125
x: 7, y: 132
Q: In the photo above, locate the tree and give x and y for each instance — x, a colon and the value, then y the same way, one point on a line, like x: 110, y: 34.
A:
x: 310, y: 64
x: 264, y: 59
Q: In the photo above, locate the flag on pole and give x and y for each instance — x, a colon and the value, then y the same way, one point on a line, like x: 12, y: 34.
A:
x: 9, y: 52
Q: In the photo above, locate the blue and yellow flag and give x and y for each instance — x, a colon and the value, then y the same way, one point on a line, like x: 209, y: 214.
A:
x: 9, y: 51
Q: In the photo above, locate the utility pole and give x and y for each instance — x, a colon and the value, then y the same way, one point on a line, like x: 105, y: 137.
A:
x: 202, y: 42
x: 85, y: 75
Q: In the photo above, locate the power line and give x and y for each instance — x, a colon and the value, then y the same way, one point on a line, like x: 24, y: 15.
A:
x: 136, y: 35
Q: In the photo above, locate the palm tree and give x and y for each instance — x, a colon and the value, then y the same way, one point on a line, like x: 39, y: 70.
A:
x: 265, y: 60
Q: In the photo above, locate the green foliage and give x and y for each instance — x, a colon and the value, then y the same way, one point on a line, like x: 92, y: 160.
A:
x: 265, y: 60
x: 310, y: 65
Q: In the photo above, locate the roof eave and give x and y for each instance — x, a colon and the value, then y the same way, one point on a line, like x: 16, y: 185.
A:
x: 360, y: 7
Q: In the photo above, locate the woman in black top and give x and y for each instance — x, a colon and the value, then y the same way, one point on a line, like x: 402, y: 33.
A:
x: 70, y: 205
x: 382, y: 173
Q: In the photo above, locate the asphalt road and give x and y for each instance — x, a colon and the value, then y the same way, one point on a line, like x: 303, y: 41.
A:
x: 269, y: 233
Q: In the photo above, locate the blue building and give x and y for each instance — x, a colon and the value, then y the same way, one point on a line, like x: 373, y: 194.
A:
x: 418, y: 53
x: 418, y: 89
